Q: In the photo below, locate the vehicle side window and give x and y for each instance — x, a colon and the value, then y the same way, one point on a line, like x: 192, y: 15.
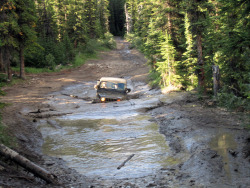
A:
x: 109, y: 85
x: 121, y: 86
x: 103, y: 85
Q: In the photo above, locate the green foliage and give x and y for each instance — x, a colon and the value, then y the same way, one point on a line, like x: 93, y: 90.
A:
x: 36, y: 70
x: 230, y: 101
x: 167, y: 66
x: 3, y: 78
x: 155, y: 78
x: 136, y: 41
x: 81, y: 58
x: 202, y: 33
x: 152, y: 45
x: 109, y: 41
x: 50, y: 32
x: 89, y: 51
x: 50, y: 61
x: 187, y: 66
x: 94, y: 45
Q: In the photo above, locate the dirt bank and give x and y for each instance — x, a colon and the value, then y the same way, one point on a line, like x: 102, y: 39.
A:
x: 209, y: 147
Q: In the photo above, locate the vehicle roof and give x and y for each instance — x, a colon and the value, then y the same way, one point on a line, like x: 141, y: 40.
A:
x: 113, y: 79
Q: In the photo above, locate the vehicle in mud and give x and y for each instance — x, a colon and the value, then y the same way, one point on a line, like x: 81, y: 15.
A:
x: 111, y: 89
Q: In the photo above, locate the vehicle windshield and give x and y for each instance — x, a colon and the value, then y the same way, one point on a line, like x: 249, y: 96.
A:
x: 112, y: 85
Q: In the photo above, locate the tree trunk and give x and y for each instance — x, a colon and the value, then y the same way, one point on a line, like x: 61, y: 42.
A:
x: 2, y: 68
x: 201, y: 71
x: 7, y: 60
x: 169, y: 19
x: 128, y: 19
x: 216, y: 79
x: 28, y: 165
x: 22, y: 66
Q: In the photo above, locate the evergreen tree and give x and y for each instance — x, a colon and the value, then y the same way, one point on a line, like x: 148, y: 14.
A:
x: 90, y: 12
x: 25, y: 10
x: 234, y: 31
x: 189, y: 61
x: 8, y: 31
x: 202, y: 33
x: 103, y: 17
x: 167, y: 66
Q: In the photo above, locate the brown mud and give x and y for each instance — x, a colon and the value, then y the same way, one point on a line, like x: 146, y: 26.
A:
x: 209, y: 147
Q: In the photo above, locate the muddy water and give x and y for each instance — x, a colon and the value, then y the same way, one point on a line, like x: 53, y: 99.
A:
x: 97, y: 138
x: 221, y: 143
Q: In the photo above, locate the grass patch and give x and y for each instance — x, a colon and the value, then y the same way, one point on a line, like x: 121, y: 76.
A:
x: 32, y: 70
x: 37, y: 70
x: 81, y: 58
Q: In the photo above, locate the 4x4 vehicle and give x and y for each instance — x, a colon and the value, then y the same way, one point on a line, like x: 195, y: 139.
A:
x: 111, y: 89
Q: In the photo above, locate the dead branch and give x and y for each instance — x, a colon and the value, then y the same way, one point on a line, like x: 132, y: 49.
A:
x: 130, y: 157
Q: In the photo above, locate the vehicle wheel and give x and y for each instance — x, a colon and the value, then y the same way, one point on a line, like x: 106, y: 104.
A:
x: 96, y: 101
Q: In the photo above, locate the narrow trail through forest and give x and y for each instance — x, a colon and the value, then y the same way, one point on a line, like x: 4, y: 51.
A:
x: 174, y: 139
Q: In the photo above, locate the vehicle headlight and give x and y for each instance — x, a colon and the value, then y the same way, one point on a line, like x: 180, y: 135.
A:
x: 103, y: 99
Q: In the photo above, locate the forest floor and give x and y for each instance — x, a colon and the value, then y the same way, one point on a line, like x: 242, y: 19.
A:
x: 210, y: 146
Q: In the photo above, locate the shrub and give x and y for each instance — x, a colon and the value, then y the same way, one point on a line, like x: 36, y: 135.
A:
x: 109, y: 41
x: 50, y: 61
x: 230, y: 101
x: 155, y: 78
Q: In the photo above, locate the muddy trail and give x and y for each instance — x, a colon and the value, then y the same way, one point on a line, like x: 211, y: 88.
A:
x: 151, y: 140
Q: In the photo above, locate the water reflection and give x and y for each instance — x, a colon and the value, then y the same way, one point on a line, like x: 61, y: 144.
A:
x: 221, y: 143
x: 98, y: 147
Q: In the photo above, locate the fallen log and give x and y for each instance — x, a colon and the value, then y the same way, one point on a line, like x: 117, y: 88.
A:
x: 28, y: 165
x: 54, y: 124
x: 130, y: 157
x: 40, y: 116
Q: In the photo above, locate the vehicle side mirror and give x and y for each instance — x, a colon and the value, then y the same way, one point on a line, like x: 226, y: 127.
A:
x: 128, y: 90
x: 96, y: 86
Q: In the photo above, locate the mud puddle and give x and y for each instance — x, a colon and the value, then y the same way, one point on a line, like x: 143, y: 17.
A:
x: 223, y: 143
x: 98, y: 147
x: 95, y: 139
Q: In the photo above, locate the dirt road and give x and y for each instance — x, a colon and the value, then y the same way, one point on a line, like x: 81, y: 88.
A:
x: 205, y: 147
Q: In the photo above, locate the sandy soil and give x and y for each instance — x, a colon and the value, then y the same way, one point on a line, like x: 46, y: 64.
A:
x: 214, y: 144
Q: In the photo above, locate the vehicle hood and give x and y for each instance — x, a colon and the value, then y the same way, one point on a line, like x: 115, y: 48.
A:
x: 111, y: 93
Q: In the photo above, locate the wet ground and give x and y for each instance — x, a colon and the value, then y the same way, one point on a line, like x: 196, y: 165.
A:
x: 168, y: 144
x: 96, y: 138
x: 173, y: 140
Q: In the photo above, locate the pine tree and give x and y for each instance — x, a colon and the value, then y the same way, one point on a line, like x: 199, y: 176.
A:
x: 167, y: 66
x: 189, y: 61
x: 103, y: 17
x: 8, y: 30
x: 233, y: 52
x: 197, y: 14
x: 25, y: 10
